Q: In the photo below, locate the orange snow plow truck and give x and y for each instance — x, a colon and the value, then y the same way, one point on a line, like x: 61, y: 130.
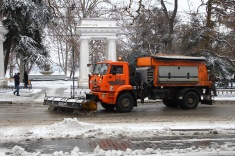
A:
x: 177, y: 80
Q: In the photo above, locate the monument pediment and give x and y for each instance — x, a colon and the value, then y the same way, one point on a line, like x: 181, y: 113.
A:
x: 97, y: 22
x: 98, y: 27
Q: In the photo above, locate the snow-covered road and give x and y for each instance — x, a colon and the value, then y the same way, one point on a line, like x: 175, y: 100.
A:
x: 183, y: 126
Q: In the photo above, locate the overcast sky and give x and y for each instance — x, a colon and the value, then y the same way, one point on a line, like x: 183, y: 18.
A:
x: 185, y: 5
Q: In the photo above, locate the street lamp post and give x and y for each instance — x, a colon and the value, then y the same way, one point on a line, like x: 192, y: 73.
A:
x: 73, y: 64
x: 73, y: 70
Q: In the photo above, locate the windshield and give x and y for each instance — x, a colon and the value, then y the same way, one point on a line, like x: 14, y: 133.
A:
x: 101, y: 68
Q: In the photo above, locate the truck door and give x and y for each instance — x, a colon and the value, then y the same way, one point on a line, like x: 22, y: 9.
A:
x: 116, y: 77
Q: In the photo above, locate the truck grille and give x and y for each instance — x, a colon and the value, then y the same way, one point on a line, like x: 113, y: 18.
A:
x: 146, y: 74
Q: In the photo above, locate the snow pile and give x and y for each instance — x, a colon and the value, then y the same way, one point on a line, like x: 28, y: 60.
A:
x: 68, y: 128
x: 19, y: 151
x: 224, y: 150
x: 72, y: 128
x: 100, y: 152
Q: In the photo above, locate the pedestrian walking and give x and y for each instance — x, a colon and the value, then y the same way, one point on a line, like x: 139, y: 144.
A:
x: 26, y: 79
x: 17, y: 84
x: 213, y: 79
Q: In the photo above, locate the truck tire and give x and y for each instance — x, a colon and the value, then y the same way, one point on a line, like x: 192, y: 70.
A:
x: 170, y: 102
x: 190, y: 100
x: 108, y: 106
x: 125, y: 103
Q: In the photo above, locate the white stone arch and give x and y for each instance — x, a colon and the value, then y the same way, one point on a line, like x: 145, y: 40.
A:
x: 95, y: 29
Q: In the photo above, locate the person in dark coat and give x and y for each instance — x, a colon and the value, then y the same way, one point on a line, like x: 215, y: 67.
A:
x: 213, y: 79
x: 17, y: 84
x: 26, y: 79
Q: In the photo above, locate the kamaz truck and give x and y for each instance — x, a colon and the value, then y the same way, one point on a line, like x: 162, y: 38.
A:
x: 179, y: 81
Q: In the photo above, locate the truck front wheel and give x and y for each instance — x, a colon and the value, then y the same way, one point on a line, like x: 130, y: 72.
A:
x: 108, y: 106
x: 190, y: 100
x: 125, y: 103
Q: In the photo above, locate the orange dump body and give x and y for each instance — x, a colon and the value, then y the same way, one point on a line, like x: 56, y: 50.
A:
x: 176, y: 71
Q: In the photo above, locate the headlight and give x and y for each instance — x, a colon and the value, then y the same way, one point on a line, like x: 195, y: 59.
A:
x: 103, y: 95
x: 90, y: 81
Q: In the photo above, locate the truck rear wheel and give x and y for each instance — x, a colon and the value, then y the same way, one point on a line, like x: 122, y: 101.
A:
x: 170, y: 102
x: 190, y: 100
x: 108, y: 106
x: 125, y: 103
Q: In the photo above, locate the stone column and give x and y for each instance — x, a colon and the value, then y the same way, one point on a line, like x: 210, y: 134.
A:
x: 111, y: 49
x: 84, y: 60
x: 3, y: 80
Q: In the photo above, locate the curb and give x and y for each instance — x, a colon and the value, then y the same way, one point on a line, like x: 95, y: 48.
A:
x: 5, y: 102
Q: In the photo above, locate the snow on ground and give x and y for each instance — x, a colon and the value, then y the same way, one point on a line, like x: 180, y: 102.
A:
x: 18, y: 151
x: 73, y: 128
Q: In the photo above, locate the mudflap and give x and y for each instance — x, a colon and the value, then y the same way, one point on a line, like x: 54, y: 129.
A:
x: 80, y: 104
x: 206, y: 99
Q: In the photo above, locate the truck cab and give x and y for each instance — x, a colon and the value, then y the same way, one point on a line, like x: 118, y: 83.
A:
x: 109, y: 81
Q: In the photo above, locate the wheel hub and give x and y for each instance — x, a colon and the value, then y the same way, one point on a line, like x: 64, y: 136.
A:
x: 125, y: 102
x: 190, y: 100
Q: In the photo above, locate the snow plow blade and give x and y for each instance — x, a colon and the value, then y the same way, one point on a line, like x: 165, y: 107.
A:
x: 80, y: 104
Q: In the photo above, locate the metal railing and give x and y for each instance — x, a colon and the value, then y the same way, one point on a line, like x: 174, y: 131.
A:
x: 78, y: 92
x: 81, y: 93
x: 12, y: 88
x: 225, y: 84
x: 226, y: 92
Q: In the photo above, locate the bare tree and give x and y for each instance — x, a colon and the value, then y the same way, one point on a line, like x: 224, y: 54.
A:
x: 170, y: 18
x: 212, y: 36
x: 62, y: 31
x: 88, y: 8
x: 67, y: 16
x: 169, y: 15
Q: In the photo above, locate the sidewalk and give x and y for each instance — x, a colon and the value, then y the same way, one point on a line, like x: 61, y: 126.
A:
x: 26, y: 96
x: 37, y: 93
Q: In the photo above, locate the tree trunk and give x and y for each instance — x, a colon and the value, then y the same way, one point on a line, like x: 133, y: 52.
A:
x: 171, y: 24
x: 209, y: 24
x: 7, y: 45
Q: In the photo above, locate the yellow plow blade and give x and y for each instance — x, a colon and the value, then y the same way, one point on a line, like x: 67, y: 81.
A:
x: 89, y: 106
